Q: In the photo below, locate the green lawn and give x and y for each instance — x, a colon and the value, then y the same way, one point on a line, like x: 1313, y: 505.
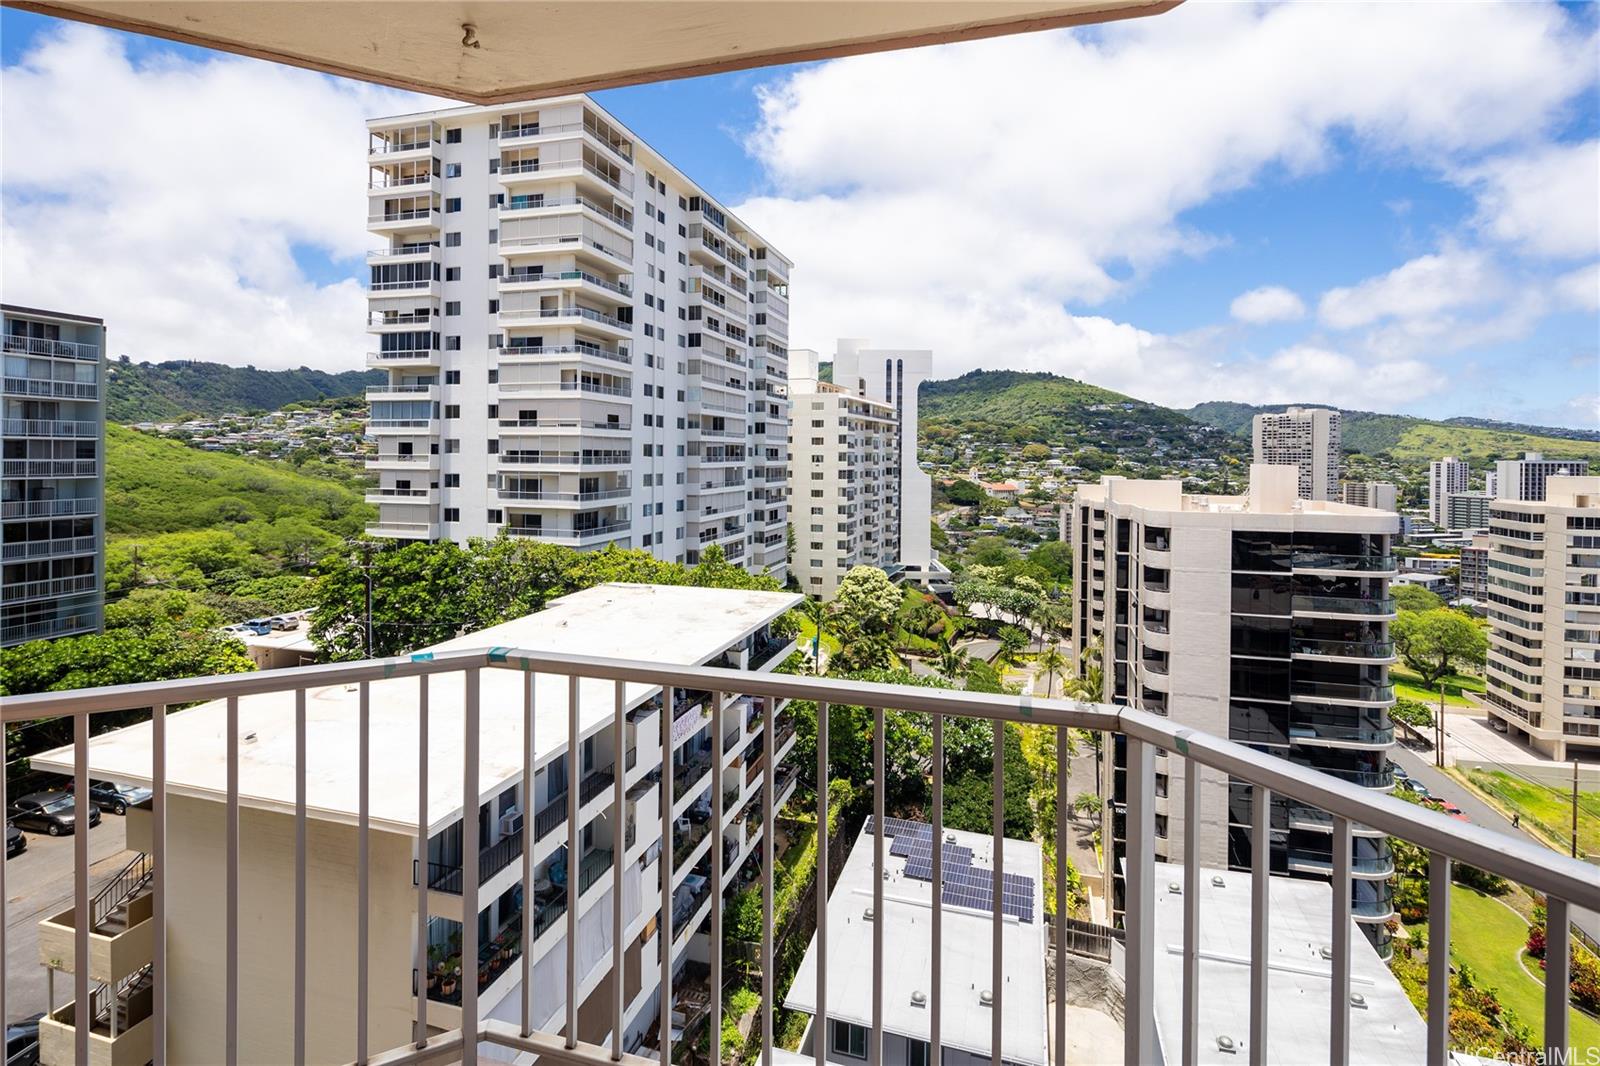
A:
x: 1488, y: 936
x: 1408, y: 685
x: 1551, y: 808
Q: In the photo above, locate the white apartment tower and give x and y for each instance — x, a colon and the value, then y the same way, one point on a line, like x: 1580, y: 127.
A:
x: 1524, y: 479
x: 582, y: 346
x: 1544, y: 616
x: 1303, y: 437
x: 845, y: 490
x: 1445, y: 476
x: 1263, y: 618
x: 1382, y: 495
x: 54, y: 483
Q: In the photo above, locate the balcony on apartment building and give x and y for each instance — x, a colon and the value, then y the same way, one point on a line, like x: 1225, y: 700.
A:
x: 576, y: 351
x: 1332, y: 796
x: 535, y: 278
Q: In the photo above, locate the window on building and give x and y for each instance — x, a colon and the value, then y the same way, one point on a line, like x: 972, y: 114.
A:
x: 494, y: 236
x: 452, y: 514
x: 452, y: 481
x: 452, y: 410
x: 452, y: 240
x: 452, y: 136
x: 452, y: 446
x: 494, y: 373
x: 495, y: 516
x: 452, y: 307
x: 452, y: 170
x: 452, y: 205
x: 452, y: 273
x: 452, y: 344
x: 452, y: 377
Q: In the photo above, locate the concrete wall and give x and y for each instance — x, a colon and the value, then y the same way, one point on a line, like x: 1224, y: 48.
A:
x: 197, y: 900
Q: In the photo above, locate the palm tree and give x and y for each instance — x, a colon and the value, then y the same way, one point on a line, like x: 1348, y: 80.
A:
x: 1090, y: 686
x: 953, y: 663
x: 1053, y: 663
x: 1012, y: 643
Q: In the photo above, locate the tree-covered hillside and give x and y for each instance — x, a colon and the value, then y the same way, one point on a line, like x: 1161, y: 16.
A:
x: 153, y: 392
x: 227, y: 525
x: 1405, y: 438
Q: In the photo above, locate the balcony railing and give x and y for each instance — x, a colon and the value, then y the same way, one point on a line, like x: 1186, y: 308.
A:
x: 1361, y: 605
x: 446, y: 877
x: 1349, y: 810
x: 49, y: 508
x: 59, y: 349
x: 1344, y: 649
x: 1330, y: 561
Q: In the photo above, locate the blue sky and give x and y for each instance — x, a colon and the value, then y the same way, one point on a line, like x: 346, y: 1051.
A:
x: 1091, y: 203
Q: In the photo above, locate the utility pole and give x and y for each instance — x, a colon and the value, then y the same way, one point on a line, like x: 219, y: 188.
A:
x: 135, y: 550
x: 366, y: 549
x: 816, y: 641
x: 1438, y: 730
x: 1574, y: 806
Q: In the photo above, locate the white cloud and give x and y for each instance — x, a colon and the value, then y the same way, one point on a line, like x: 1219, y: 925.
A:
x: 169, y: 197
x: 1270, y: 303
x: 960, y: 198
x: 1579, y: 289
x: 1545, y: 202
x: 1422, y: 287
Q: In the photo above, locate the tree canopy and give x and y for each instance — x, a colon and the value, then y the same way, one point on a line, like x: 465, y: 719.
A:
x: 1435, y: 643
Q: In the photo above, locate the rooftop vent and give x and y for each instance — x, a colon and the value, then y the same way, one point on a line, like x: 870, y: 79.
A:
x: 1217, y: 881
x: 867, y: 915
x: 249, y: 738
x: 919, y: 998
x: 1327, y: 951
x: 986, y: 998
x: 1226, y: 1044
x: 1175, y: 888
x: 1358, y: 1001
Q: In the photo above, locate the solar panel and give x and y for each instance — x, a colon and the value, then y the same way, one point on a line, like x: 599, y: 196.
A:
x: 965, y: 885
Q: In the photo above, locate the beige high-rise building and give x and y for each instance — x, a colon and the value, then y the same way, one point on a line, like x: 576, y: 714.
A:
x: 1306, y: 438
x: 1544, y: 616
x: 1445, y: 476
x: 1263, y: 618
x: 1382, y: 495
x: 582, y: 345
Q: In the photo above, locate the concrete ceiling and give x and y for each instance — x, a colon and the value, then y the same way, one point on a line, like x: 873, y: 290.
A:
x: 493, y: 51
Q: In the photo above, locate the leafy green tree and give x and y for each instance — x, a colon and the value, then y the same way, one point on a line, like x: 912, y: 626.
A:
x: 418, y: 598
x: 508, y: 577
x: 964, y: 493
x: 990, y: 551
x: 1035, y: 452
x: 1415, y: 598
x: 1436, y: 642
x: 1053, y: 559
x: 863, y: 614
x: 1013, y: 642
x: 1087, y: 804
x: 1412, y: 712
x: 969, y: 797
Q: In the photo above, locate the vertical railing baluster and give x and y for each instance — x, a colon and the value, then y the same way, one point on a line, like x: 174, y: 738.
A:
x: 996, y: 917
x: 714, y: 1027
x: 83, y: 1010
x: 419, y: 1032
x: 769, y: 797
x: 470, y: 844
x: 1260, y: 924
x: 1438, y: 959
x: 1191, y: 913
x: 619, y: 775
x: 158, y: 881
x: 875, y: 1049
x: 1339, y: 995
x: 530, y: 810
x: 820, y: 1039
x: 1063, y: 768
x: 231, y: 947
x: 1139, y: 1039
x: 936, y: 977
x: 299, y: 876
x: 1557, y: 980
x: 363, y: 864
x: 574, y: 856
x: 5, y: 802
x: 668, y: 700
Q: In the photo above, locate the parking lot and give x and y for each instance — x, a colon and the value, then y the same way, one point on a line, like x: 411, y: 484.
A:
x: 39, y: 884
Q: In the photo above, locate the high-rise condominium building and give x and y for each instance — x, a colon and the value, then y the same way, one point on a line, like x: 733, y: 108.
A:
x: 1380, y: 495
x: 1306, y: 438
x: 857, y: 492
x: 582, y: 345
x: 54, y: 478
x: 593, y: 835
x: 1544, y: 616
x: 1474, y: 579
x: 1491, y: 484
x: 1466, y: 510
x: 1445, y: 476
x: 1524, y: 479
x: 1263, y: 618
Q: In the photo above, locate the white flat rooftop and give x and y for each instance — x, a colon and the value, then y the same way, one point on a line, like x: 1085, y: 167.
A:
x: 680, y: 625
x: 908, y: 955
x: 1387, y: 1029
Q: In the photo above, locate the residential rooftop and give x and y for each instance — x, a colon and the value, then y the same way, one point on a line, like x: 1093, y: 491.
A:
x: 1272, y: 492
x: 1385, y: 1027
x: 680, y: 625
x: 965, y: 1023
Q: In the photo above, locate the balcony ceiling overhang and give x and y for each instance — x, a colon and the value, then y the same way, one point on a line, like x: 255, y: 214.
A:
x: 520, y: 49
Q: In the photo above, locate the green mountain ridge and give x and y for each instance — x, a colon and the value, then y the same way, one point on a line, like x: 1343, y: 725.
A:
x: 156, y: 392
x: 1408, y: 438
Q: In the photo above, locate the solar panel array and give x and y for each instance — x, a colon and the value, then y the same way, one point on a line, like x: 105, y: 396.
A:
x: 965, y: 885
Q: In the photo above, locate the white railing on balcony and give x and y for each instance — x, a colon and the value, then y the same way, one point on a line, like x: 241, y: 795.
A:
x: 529, y: 277
x: 50, y: 427
x: 52, y: 467
x: 65, y: 390
x: 616, y: 356
x: 535, y: 203
x: 58, y: 349
x: 33, y: 549
x: 1565, y: 882
x: 49, y: 508
x: 566, y: 312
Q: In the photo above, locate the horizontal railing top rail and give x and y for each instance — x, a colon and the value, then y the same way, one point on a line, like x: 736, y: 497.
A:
x: 1523, y: 861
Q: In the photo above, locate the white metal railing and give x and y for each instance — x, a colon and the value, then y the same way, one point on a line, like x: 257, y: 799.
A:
x: 569, y: 533
x: 529, y: 277
x: 426, y: 354
x: 407, y: 283
x: 33, y: 549
x: 536, y: 495
x: 564, y: 386
x: 379, y: 390
x: 66, y: 390
x: 615, y: 355
x: 50, y: 427
x: 42, y: 346
x: 563, y: 239
x: 571, y: 311
x: 1565, y: 882
x: 52, y: 467
x: 54, y: 586
x: 534, y: 203
x: 49, y: 508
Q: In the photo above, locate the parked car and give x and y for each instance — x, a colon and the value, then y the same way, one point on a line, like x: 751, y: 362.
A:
x: 1415, y: 787
x: 109, y: 796
x: 49, y: 812
x: 16, y: 843
x: 284, y: 622
x: 259, y: 626
x: 22, y: 1042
